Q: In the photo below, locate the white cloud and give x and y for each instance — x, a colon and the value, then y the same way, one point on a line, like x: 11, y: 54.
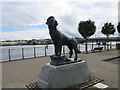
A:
x: 29, y: 34
x: 67, y: 12
x: 22, y: 14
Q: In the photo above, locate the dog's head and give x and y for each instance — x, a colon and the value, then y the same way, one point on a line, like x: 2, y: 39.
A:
x: 51, y: 21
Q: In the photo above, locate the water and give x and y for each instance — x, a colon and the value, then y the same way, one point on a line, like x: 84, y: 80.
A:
x: 31, y: 51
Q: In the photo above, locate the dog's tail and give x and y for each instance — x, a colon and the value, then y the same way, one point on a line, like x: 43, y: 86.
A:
x: 78, y: 51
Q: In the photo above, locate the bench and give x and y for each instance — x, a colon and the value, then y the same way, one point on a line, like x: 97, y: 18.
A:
x: 97, y: 49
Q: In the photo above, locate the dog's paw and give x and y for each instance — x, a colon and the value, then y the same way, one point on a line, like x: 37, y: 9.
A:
x: 75, y: 59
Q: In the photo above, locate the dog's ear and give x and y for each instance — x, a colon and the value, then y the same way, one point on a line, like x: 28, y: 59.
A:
x: 48, y: 19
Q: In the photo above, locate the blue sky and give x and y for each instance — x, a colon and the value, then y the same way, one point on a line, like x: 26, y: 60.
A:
x: 43, y: 26
x: 23, y: 19
x: 9, y: 29
x: 12, y: 29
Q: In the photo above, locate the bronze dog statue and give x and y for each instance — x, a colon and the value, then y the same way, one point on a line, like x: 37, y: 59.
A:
x: 60, y: 39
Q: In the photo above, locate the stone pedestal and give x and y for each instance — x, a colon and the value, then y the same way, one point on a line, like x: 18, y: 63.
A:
x: 63, y: 76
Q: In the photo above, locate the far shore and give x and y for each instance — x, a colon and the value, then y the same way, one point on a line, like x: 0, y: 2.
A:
x: 22, y: 44
x: 89, y: 43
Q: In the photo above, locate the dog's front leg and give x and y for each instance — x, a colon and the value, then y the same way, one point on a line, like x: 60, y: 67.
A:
x: 59, y: 49
x: 56, y: 49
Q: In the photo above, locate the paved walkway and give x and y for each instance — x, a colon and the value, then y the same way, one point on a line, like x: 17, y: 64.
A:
x: 16, y: 74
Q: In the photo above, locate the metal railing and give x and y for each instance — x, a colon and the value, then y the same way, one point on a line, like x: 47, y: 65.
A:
x: 33, y: 52
x: 30, y: 52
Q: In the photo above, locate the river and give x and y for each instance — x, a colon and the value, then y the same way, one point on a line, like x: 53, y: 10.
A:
x: 29, y: 51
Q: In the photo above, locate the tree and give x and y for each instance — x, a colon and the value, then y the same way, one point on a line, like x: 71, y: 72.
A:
x: 86, y: 29
x: 107, y: 30
x: 118, y: 27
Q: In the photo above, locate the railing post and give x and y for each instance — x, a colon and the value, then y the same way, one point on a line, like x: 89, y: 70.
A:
x: 116, y: 42
x: 98, y: 44
x: 45, y: 51
x: 9, y: 54
x: 92, y: 46
x: 23, y: 53
x: 34, y: 53
x: 79, y: 46
x: 63, y: 49
x: 116, y: 45
x: 105, y: 45
x: 110, y: 45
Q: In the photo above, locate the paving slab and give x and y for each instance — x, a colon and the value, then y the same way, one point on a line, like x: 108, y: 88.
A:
x: 16, y: 74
